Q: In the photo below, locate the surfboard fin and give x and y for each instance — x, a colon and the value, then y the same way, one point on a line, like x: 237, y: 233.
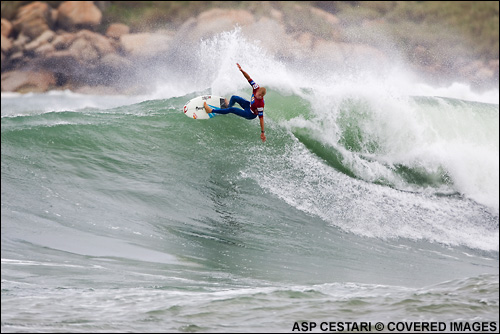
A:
x: 223, y: 104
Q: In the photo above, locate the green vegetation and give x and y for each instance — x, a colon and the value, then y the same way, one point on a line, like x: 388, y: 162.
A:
x: 151, y: 15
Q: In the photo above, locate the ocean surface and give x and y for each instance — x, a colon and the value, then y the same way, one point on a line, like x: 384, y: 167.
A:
x: 374, y: 199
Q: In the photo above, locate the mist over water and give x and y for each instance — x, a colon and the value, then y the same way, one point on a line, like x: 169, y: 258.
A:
x: 374, y: 190
x: 375, y: 117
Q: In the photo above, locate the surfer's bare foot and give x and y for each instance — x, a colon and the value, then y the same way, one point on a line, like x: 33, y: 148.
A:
x: 207, y: 108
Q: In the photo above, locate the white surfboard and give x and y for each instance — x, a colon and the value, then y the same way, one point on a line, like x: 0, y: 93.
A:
x: 194, y: 107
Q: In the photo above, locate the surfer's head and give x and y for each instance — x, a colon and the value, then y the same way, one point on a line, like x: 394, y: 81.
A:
x: 260, y: 93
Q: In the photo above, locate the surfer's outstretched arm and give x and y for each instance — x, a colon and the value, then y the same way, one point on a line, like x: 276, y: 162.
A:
x: 262, y: 134
x: 244, y: 73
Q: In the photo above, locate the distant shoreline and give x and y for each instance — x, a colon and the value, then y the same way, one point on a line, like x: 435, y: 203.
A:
x: 47, y: 48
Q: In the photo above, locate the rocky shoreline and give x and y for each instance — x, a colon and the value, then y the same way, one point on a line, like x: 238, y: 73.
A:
x: 45, y: 48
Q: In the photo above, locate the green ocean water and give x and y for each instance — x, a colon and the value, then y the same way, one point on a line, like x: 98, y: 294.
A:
x: 374, y: 199
x: 137, y: 218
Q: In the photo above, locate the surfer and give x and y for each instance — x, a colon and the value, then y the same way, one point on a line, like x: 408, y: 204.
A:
x: 251, y: 109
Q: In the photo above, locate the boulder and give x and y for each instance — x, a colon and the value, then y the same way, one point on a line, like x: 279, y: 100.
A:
x: 27, y: 81
x: 44, y: 38
x: 84, y: 51
x: 19, y: 43
x: 145, y: 44
x: 85, y: 47
x: 73, y: 15
x: 44, y: 50
x: 33, y: 19
x: 214, y: 21
x: 100, y: 43
x: 325, y: 16
x: 117, y: 30
x: 63, y: 61
x: 6, y: 27
x: 116, y: 62
x: 63, y: 41
x: 6, y: 44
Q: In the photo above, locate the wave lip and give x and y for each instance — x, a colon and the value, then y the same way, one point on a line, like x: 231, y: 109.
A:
x: 419, y: 144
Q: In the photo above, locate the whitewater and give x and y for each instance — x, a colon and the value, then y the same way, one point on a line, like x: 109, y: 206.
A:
x: 374, y: 199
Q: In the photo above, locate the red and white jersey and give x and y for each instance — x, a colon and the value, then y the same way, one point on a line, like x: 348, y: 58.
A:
x: 256, y: 105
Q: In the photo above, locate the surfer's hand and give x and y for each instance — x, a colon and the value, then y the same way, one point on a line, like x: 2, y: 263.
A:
x: 239, y: 67
x: 263, y: 137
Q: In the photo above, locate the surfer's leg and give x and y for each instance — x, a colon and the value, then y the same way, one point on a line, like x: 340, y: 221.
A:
x: 207, y: 108
x: 233, y: 110
x: 223, y: 111
x: 245, y: 104
x: 226, y: 105
x: 245, y: 113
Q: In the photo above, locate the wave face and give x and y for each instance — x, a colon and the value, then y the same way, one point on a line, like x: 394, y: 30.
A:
x: 372, y: 200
